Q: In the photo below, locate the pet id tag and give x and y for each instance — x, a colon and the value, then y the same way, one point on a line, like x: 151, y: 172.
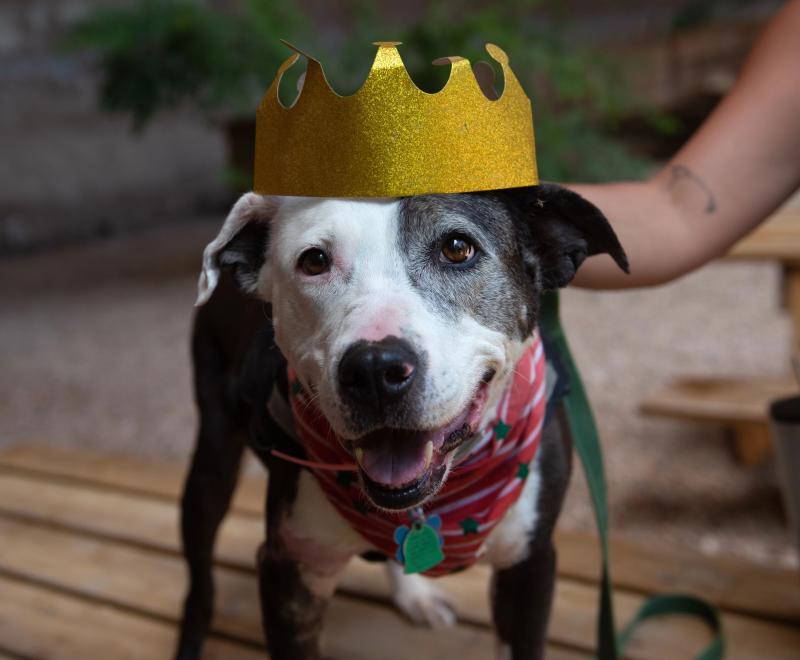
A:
x: 420, y: 545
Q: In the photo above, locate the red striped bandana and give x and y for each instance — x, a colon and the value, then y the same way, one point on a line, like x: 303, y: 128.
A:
x: 480, y: 488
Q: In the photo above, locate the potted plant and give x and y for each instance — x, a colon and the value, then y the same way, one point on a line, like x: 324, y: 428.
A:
x: 156, y: 55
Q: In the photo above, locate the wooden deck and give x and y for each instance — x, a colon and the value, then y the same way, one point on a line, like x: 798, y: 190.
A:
x: 90, y: 568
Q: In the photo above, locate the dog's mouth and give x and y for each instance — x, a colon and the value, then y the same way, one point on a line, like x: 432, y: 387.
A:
x: 400, y: 468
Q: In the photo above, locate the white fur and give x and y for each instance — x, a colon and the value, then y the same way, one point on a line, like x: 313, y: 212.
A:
x: 318, y: 538
x: 502, y: 651
x: 419, y: 599
x: 508, y: 543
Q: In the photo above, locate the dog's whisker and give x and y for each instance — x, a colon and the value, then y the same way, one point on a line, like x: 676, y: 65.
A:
x: 313, y: 398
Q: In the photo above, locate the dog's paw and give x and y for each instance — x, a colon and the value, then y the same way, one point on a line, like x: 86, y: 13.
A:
x: 420, y: 600
x: 429, y: 609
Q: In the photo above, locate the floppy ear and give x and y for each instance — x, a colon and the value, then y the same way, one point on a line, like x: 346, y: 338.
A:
x: 558, y: 230
x: 240, y: 247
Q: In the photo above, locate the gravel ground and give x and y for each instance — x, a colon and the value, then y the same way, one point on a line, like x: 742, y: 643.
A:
x: 94, y: 353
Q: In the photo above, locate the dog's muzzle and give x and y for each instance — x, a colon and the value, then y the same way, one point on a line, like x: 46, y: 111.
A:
x: 400, y: 465
x: 376, y: 379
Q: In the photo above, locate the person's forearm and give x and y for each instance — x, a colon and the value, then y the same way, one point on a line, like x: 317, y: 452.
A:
x: 668, y: 225
x: 650, y: 230
x: 741, y: 164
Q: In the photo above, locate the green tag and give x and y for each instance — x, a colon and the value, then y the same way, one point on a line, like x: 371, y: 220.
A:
x: 421, y: 549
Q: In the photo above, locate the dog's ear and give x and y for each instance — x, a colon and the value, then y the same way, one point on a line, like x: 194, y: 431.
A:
x: 240, y: 247
x: 558, y: 229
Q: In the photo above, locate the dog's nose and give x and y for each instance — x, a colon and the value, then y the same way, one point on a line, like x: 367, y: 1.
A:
x: 374, y: 374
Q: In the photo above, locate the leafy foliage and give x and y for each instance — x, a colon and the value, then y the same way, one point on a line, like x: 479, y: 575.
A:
x: 158, y: 54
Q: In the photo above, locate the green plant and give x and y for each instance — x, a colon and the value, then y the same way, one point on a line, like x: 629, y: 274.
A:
x: 158, y: 54
x: 697, y: 13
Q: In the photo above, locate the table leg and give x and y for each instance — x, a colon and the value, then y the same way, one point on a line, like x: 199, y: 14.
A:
x: 752, y: 442
x: 791, y: 301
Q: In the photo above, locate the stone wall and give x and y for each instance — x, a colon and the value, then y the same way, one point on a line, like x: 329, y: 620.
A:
x: 68, y: 171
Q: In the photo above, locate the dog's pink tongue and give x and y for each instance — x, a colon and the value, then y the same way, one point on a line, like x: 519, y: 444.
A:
x: 394, y: 461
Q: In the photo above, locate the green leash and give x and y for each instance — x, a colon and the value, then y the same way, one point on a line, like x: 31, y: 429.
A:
x: 587, y: 445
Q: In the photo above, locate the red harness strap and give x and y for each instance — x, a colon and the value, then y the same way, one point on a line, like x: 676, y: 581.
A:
x: 480, y: 488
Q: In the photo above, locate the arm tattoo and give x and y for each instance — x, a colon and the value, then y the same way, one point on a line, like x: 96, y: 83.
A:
x: 681, y: 173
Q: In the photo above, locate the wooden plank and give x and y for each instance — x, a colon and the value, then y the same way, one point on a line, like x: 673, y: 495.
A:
x: 791, y: 301
x: 574, y: 623
x: 87, y: 569
x: 777, y: 239
x: 726, y: 400
x: 124, y: 473
x: 152, y: 584
x: 130, y: 577
x: 734, y: 585
x: 673, y: 636
x: 83, y: 565
x: 752, y: 442
x: 40, y: 623
x: 151, y: 523
x: 99, y: 569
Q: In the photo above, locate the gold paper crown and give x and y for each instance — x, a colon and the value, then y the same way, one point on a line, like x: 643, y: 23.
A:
x: 391, y: 139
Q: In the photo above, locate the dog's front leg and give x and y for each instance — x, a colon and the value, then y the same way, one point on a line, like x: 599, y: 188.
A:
x: 524, y: 562
x: 521, y: 551
x: 308, y: 546
x: 292, y: 612
x: 521, y: 599
x: 207, y: 493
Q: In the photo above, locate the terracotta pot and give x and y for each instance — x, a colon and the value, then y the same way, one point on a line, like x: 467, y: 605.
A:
x: 240, y: 140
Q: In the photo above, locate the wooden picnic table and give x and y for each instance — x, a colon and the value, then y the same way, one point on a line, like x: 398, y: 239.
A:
x: 778, y: 239
x: 741, y: 404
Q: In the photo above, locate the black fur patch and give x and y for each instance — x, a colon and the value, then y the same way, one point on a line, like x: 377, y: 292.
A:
x: 245, y: 253
x: 493, y: 287
x: 558, y: 230
x: 527, y: 240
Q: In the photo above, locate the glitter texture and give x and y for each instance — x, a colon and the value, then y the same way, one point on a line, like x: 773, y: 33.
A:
x: 391, y: 139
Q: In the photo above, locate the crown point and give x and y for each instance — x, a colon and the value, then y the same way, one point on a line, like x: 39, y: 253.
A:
x: 298, y: 50
x: 273, y: 91
x: 497, y: 53
x: 441, y: 61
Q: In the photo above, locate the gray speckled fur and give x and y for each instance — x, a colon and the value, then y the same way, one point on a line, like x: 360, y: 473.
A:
x: 491, y: 288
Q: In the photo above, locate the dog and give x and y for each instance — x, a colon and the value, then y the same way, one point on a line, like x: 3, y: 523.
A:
x: 403, y: 321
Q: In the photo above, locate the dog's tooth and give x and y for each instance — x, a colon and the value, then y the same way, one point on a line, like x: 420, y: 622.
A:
x: 428, y: 453
x: 359, y: 455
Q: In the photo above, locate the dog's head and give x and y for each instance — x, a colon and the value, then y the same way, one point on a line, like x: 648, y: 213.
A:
x: 405, y: 317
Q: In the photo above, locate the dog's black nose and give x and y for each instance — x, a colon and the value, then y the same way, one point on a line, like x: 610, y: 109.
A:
x: 375, y: 374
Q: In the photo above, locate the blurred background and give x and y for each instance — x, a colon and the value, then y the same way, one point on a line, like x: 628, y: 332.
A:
x: 126, y: 132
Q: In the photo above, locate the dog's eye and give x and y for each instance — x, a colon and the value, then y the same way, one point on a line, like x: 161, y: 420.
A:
x: 457, y: 250
x: 313, y: 262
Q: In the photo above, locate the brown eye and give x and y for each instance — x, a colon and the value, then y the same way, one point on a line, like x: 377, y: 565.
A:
x: 313, y: 262
x: 457, y: 250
